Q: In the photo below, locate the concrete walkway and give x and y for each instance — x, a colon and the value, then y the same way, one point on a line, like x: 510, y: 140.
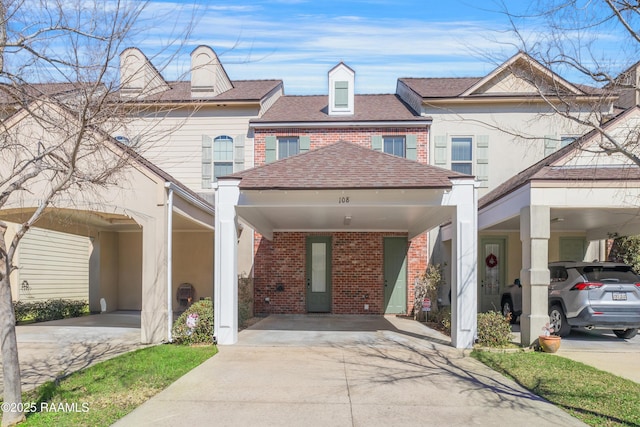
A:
x: 53, y: 349
x: 330, y: 370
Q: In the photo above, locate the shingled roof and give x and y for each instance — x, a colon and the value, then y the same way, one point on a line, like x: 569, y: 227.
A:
x: 345, y: 165
x: 314, y: 108
x: 243, y: 90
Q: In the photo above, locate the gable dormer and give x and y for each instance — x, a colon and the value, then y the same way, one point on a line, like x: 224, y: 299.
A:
x: 341, y: 90
x: 208, y: 77
x: 138, y: 77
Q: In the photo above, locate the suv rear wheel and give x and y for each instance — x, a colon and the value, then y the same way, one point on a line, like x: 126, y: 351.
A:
x: 626, y: 333
x: 558, y: 321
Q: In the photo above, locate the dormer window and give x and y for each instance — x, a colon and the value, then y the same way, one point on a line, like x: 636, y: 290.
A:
x: 341, y: 99
x: 341, y: 94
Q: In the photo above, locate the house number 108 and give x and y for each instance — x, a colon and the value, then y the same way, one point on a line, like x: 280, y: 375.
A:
x: 343, y: 199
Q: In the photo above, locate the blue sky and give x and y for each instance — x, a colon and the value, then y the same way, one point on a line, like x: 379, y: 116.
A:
x: 298, y: 41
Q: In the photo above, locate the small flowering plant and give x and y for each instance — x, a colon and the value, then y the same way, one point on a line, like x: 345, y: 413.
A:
x: 547, y: 330
x: 192, y: 322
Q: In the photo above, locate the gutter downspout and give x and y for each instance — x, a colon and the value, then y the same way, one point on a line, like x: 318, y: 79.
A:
x: 169, y: 262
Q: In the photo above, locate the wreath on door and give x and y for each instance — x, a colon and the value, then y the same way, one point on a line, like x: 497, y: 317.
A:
x: 491, y: 261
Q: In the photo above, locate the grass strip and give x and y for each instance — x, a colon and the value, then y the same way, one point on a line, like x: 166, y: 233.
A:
x: 595, y: 397
x: 107, y: 391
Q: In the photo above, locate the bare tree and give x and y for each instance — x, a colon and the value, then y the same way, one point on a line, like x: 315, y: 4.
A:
x: 595, y: 42
x: 58, y: 76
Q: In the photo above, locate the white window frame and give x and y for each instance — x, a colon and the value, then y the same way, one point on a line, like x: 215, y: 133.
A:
x: 226, y: 162
x: 461, y: 162
x: 278, y: 153
x: 404, y: 144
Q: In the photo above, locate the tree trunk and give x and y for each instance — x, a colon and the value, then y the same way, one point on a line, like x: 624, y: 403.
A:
x: 10, y: 363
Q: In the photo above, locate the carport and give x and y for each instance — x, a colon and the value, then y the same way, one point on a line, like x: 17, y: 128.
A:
x: 346, y: 188
x: 149, y: 233
x: 577, y: 191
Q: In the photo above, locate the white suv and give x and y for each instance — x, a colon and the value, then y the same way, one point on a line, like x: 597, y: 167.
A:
x: 594, y: 295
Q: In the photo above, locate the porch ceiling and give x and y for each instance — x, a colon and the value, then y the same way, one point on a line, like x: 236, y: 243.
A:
x: 411, y: 211
x: 600, y: 211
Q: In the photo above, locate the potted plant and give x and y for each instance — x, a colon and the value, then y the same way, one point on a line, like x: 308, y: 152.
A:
x: 548, y: 342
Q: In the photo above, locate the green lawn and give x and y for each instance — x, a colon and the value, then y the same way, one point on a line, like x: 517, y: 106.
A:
x: 595, y: 397
x: 107, y: 391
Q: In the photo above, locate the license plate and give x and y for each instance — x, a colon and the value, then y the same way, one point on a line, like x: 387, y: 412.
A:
x: 619, y: 296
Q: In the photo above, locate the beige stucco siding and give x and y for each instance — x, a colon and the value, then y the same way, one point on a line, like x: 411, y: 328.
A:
x: 130, y: 271
x: 193, y: 263
x: 517, y: 136
x: 53, y: 265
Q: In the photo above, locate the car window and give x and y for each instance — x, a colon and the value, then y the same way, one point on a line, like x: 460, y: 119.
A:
x: 558, y: 274
x: 617, y: 274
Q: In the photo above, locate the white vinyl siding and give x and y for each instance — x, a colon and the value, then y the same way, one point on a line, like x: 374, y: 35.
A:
x: 53, y: 265
x: 173, y: 141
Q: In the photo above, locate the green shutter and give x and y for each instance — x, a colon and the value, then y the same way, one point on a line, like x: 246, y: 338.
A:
x: 341, y: 95
x: 207, y: 167
x: 482, y: 160
x: 376, y: 142
x: 440, y: 150
x: 270, y: 142
x: 238, y: 153
x: 411, y: 148
x: 305, y: 143
x: 550, y: 144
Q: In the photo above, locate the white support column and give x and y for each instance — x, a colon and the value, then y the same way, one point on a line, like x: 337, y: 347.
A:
x: 464, y: 271
x: 535, y: 228
x: 225, y: 292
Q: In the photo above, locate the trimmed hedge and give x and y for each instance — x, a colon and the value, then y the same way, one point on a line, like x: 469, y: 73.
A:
x: 53, y: 309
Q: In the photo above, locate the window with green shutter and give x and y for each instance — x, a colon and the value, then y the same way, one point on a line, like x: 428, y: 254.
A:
x: 222, y: 156
x: 462, y: 154
x: 238, y: 153
x: 394, y: 145
x: 270, y: 150
x: 482, y: 160
x: 440, y: 151
x: 207, y: 156
x: 376, y: 142
x: 341, y: 99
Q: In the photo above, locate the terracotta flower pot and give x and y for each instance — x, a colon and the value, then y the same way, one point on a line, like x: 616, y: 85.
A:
x: 549, y: 343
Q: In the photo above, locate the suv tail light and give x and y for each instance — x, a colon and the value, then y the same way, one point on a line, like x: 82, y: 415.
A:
x: 585, y: 286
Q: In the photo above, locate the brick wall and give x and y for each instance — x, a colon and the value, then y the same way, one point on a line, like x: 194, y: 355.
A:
x: 322, y: 137
x: 357, y: 272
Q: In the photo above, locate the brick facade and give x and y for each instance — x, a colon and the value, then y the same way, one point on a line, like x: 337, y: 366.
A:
x: 357, y: 257
x: 357, y: 272
x: 322, y: 137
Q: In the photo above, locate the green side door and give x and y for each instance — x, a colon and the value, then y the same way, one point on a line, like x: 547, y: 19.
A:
x: 395, y: 275
x: 318, y: 274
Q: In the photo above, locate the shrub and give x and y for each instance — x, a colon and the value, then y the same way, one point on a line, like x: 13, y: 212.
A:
x: 494, y: 330
x: 245, y: 300
x: 53, y: 309
x: 443, y: 318
x: 195, y: 325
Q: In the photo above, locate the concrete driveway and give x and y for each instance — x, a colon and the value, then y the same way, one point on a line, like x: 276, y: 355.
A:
x: 328, y: 370
x: 50, y: 350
